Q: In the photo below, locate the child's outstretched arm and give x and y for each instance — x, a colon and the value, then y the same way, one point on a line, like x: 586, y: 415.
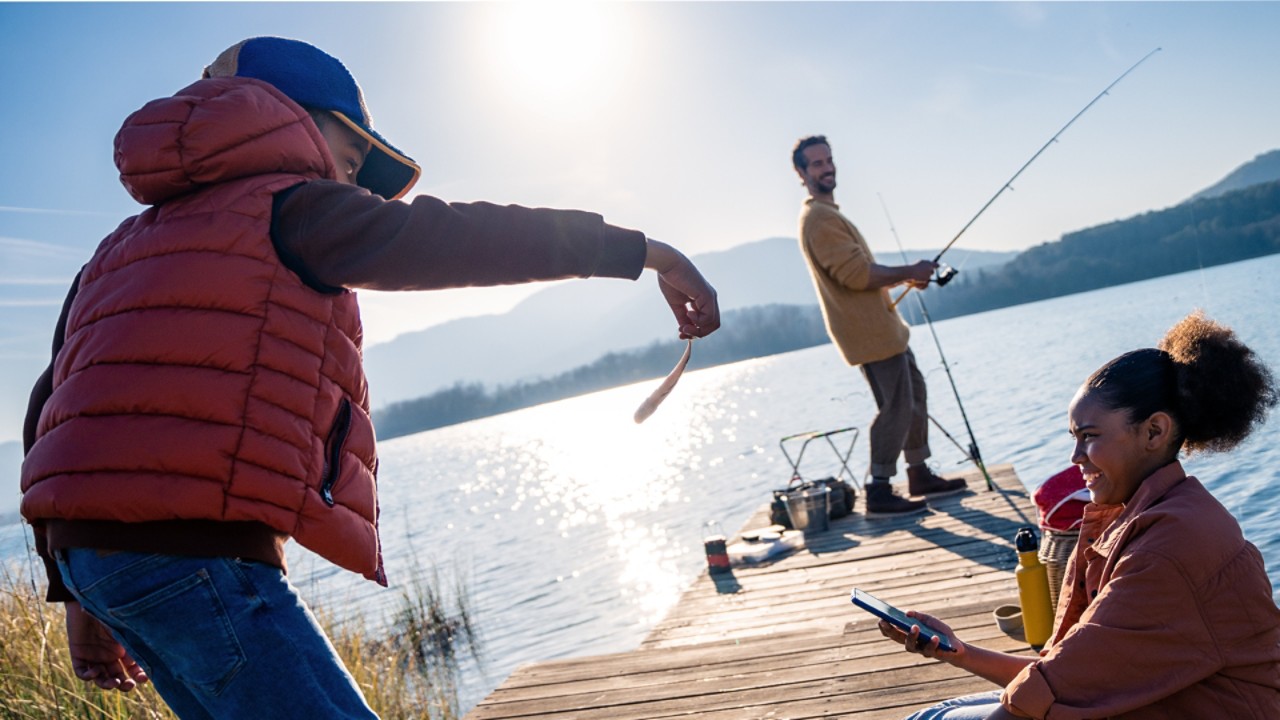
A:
x: 691, y: 297
x: 341, y: 236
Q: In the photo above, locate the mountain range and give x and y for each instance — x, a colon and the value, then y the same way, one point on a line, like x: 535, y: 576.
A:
x: 1263, y: 168
x: 533, y: 339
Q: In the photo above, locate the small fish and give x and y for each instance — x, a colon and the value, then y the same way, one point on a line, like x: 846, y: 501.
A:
x: 652, y: 402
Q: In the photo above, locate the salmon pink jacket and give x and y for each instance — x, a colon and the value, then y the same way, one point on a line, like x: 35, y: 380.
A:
x: 1167, y: 612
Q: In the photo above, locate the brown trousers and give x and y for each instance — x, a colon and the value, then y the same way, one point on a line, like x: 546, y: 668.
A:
x: 902, y: 424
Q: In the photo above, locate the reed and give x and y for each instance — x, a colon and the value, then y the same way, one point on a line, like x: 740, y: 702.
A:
x: 406, y: 669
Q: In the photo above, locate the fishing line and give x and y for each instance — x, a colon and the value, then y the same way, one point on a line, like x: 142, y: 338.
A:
x: 974, y: 454
x: 1195, y: 233
x: 948, y: 435
x: 965, y: 261
x: 1009, y: 183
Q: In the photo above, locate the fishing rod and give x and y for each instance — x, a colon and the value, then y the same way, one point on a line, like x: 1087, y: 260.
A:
x: 975, y: 455
x: 948, y: 435
x: 1009, y: 183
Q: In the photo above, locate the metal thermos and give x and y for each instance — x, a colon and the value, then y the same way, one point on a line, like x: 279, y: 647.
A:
x: 1033, y: 589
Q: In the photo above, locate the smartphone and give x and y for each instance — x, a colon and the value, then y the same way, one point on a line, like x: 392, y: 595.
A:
x: 884, y: 610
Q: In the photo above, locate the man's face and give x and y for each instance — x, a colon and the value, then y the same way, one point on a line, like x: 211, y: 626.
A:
x: 819, y: 173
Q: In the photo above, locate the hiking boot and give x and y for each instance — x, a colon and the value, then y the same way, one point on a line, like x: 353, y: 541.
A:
x: 882, y: 502
x: 921, y: 480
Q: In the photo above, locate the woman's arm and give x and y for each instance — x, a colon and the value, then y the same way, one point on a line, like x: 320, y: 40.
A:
x: 998, y: 667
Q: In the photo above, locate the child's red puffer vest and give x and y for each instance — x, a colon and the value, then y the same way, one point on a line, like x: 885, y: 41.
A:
x: 200, y: 377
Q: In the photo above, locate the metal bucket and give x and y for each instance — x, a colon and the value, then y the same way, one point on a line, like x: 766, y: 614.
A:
x: 809, y: 508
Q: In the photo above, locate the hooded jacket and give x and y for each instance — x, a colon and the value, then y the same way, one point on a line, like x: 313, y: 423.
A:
x: 206, y: 395
x: 200, y: 378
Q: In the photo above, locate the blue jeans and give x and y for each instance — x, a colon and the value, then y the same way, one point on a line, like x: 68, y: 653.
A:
x: 219, y: 637
x: 969, y: 707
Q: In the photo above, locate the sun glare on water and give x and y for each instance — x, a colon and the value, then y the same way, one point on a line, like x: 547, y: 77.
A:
x: 601, y: 468
x: 587, y: 473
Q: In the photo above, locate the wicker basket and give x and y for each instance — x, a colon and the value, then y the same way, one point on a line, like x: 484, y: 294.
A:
x: 1056, y: 547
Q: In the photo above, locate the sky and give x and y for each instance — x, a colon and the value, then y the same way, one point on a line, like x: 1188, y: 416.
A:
x: 673, y: 118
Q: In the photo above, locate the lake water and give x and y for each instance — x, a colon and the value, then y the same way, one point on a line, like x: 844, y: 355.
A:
x: 573, y: 531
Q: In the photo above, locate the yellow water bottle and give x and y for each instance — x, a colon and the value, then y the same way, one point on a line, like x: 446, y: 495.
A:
x: 1033, y: 589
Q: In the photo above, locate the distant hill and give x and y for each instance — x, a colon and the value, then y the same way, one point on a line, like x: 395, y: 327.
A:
x: 1262, y: 169
x: 1236, y: 218
x: 751, y: 332
x: 1212, y: 230
x: 607, y: 315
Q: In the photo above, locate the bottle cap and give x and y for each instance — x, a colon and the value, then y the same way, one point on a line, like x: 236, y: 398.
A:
x: 1026, y: 540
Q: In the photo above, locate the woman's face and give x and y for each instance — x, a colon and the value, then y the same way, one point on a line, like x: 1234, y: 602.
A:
x: 1114, y: 454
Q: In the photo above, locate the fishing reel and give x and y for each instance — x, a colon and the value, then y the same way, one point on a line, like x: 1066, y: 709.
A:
x: 942, y: 275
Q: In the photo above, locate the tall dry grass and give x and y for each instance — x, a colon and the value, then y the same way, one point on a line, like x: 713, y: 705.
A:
x: 406, y: 670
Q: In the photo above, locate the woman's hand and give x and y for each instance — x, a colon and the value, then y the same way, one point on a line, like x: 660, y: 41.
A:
x: 912, y: 642
x: 998, y: 667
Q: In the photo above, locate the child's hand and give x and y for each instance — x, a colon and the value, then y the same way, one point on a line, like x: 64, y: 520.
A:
x: 692, y: 299
x: 96, y: 656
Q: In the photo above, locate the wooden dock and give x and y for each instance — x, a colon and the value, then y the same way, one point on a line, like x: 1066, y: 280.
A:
x: 783, y: 641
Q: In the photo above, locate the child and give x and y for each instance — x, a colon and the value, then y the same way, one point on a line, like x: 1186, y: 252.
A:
x: 1167, y: 610
x: 206, y: 401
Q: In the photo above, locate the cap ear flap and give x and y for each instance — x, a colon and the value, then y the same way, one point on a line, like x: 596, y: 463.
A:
x: 226, y: 64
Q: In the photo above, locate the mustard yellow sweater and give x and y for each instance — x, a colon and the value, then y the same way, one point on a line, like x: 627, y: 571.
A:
x: 860, y: 320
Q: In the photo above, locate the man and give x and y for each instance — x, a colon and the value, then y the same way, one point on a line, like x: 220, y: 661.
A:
x: 854, y: 292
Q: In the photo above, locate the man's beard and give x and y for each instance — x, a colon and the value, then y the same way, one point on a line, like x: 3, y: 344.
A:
x: 825, y: 184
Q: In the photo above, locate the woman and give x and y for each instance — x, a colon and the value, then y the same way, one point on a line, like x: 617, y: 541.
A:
x: 1167, y: 610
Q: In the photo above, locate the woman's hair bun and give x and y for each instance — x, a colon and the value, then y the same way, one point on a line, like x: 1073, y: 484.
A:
x: 1223, y: 391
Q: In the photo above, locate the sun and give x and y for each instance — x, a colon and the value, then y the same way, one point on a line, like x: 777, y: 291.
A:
x: 555, y: 55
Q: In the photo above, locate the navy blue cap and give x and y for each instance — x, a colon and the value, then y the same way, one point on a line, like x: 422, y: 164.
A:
x: 316, y: 80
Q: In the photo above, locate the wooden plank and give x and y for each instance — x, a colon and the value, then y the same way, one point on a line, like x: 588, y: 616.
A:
x: 860, y: 636
x: 775, y: 685
x: 831, y: 614
x: 880, y: 555
x: 732, y: 665
x: 925, y: 564
x: 782, y: 640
